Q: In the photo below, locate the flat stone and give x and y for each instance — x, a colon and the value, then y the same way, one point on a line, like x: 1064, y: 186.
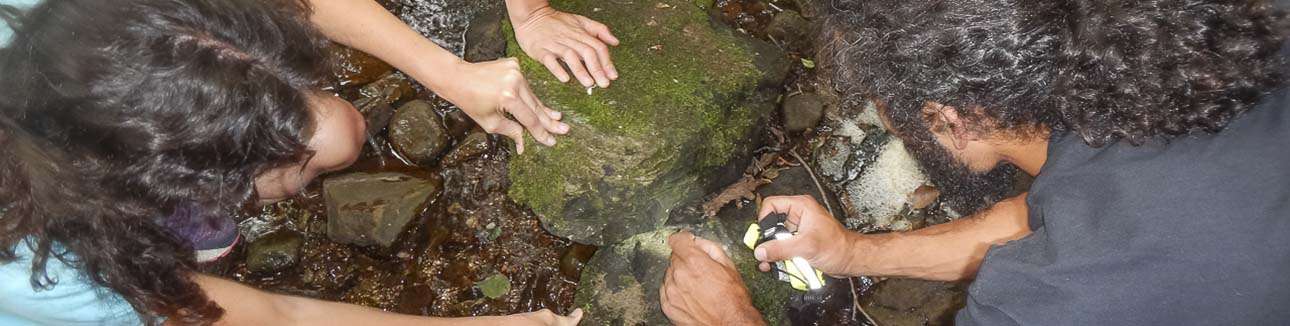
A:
x: 475, y: 144
x: 274, y: 251
x: 417, y: 133
x: 690, y: 95
x: 357, y: 67
x: 372, y: 209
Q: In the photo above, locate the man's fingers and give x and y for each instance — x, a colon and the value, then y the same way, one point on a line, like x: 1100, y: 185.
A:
x: 764, y: 266
x: 602, y: 55
x: 555, y: 115
x: 714, y: 251
x: 590, y: 58
x: 574, y: 318
x: 793, y: 206
x: 777, y: 250
x: 553, y: 64
x: 573, y: 60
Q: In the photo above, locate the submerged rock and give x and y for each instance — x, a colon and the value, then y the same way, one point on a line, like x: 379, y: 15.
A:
x: 357, y: 67
x: 474, y: 145
x: 417, y: 133
x: 373, y: 208
x: 274, y: 251
x: 621, y: 282
x: 689, y: 96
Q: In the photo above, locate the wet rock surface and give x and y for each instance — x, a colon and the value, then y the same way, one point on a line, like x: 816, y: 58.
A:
x: 373, y: 208
x: 900, y: 302
x: 653, y: 139
x: 417, y: 133
x: 274, y: 251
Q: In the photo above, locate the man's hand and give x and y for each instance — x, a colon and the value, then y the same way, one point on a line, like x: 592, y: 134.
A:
x: 551, y: 36
x: 702, y: 286
x: 820, y: 239
x: 491, y: 90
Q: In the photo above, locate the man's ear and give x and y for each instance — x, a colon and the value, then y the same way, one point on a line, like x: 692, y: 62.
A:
x: 945, y: 119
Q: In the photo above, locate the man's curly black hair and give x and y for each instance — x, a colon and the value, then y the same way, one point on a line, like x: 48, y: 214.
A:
x: 1105, y: 70
x: 115, y: 113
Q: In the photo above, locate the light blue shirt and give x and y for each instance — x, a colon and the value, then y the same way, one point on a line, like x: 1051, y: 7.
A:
x: 5, y: 32
x: 72, y: 300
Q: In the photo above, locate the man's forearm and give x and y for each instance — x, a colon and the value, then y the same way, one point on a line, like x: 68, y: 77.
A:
x: 950, y: 251
x: 368, y: 27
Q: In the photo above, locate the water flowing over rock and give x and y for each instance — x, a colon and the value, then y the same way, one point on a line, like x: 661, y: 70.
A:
x: 373, y: 208
x: 689, y: 94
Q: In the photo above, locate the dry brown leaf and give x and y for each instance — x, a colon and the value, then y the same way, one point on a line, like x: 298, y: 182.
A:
x: 745, y: 188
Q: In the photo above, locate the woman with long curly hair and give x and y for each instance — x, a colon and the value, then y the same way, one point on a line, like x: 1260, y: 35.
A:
x: 131, y: 129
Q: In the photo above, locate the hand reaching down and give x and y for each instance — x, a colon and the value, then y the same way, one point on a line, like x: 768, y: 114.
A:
x: 702, y: 287
x: 551, y: 37
x: 489, y: 91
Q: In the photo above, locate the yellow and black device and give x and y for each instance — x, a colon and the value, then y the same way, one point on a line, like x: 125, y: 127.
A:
x: 796, y: 271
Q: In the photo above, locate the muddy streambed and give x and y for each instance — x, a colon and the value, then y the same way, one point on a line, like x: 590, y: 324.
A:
x: 472, y: 241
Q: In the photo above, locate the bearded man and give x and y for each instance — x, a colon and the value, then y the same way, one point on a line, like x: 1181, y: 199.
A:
x: 1156, y: 132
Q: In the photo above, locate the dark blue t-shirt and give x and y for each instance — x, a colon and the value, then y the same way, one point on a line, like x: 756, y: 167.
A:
x: 1195, y: 231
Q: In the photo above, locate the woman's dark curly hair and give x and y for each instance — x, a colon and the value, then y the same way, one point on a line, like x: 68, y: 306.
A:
x: 1106, y: 70
x: 117, y: 112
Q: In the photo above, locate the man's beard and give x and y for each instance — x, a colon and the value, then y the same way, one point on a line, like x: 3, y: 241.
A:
x: 962, y: 189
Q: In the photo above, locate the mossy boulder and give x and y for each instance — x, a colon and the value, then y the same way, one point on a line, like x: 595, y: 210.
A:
x: 689, y: 95
x: 621, y: 282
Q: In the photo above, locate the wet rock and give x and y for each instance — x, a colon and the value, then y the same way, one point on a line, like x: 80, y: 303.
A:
x: 802, y: 112
x: 417, y: 133
x: 377, y: 288
x: 574, y: 259
x: 357, y: 68
x: 620, y: 284
x: 329, y: 266
x: 792, y: 30
x: 655, y: 138
x: 373, y: 208
x: 900, y: 302
x: 390, y: 88
x: 274, y: 251
x: 475, y: 144
x: 459, y: 124
x: 376, y: 113
x: 485, y: 40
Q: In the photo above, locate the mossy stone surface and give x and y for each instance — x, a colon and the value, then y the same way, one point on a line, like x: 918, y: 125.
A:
x: 688, y: 95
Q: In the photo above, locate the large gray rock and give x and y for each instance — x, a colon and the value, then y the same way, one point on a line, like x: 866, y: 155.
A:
x: 689, y: 97
x: 373, y: 208
x: 417, y: 133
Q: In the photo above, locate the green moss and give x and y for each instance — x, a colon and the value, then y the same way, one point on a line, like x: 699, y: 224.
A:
x: 673, y: 115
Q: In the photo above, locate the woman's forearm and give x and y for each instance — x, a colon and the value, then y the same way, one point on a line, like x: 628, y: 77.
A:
x: 368, y: 27
x: 947, y: 252
x: 518, y: 9
x: 244, y: 305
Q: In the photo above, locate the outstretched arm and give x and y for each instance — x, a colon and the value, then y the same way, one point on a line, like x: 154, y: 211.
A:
x: 487, y: 91
x: 244, y: 305
x: 950, y: 251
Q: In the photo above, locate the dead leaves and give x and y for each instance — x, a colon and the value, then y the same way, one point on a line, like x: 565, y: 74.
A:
x: 760, y: 173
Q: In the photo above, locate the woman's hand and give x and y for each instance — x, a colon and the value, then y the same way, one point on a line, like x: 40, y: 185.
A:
x: 551, y: 36
x: 489, y: 91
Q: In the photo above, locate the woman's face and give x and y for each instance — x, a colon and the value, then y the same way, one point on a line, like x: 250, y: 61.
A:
x: 338, y: 137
